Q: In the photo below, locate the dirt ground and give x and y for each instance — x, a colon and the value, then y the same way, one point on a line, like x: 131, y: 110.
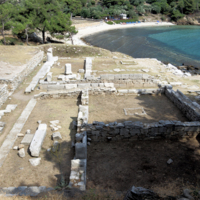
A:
x: 110, y: 108
x: 14, y: 58
x: 18, y: 171
x: 60, y: 69
x: 76, y: 51
x: 106, y: 66
x: 121, y: 165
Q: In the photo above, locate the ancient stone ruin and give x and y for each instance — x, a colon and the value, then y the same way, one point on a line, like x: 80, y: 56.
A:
x: 83, y: 88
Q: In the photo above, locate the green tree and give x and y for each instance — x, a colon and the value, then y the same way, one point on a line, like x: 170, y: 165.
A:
x: 181, y: 5
x: 6, y: 10
x: 140, y: 10
x: 109, y: 3
x: 197, y: 5
x: 132, y: 14
x: 83, y: 2
x: 48, y: 15
x: 176, y: 15
x: 148, y: 8
x: 189, y: 6
x: 22, y: 23
x: 93, y: 2
x: 137, y: 2
x: 156, y: 8
x: 74, y: 6
x: 85, y: 13
x: 164, y: 6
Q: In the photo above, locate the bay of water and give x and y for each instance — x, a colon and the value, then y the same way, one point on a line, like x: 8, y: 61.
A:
x: 173, y: 44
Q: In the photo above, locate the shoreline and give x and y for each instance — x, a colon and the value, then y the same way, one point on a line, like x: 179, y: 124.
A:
x: 91, y: 30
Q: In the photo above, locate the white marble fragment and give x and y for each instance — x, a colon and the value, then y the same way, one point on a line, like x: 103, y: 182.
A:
x: 35, y: 161
x: 21, y: 153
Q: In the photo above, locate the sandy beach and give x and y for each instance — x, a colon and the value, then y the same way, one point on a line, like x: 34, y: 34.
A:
x: 83, y: 32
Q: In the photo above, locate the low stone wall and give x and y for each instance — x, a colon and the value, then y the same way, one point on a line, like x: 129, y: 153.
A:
x: 190, y: 109
x: 30, y: 66
x: 101, y: 132
x: 84, y: 97
x: 3, y: 94
x: 73, y: 93
x: 119, y: 80
x: 23, y: 191
x: 79, y: 164
x: 12, y: 84
x: 52, y: 87
x: 140, y: 91
x: 97, y: 91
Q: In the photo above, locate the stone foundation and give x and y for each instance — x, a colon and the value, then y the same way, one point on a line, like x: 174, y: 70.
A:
x: 190, y: 109
x: 3, y: 94
x: 12, y: 84
x: 101, y: 132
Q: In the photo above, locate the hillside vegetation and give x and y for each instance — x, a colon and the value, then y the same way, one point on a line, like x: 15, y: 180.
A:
x: 28, y: 16
x: 175, y: 9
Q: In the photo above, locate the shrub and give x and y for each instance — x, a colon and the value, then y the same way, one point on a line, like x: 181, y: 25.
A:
x: 60, y: 37
x: 110, y: 22
x: 163, y: 18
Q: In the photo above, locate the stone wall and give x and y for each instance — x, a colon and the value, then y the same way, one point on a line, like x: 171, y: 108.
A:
x: 30, y: 66
x: 190, y: 109
x: 42, y: 72
x: 128, y: 130
x: 119, y: 80
x: 73, y: 93
x: 96, y: 91
x: 101, y: 132
x: 99, y: 87
x: 79, y: 163
x: 3, y: 94
x: 12, y: 84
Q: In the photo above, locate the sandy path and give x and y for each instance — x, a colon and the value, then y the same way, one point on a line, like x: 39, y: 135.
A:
x: 105, y: 27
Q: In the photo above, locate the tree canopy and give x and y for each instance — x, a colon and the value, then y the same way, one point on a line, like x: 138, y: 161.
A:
x: 27, y: 16
x: 6, y: 11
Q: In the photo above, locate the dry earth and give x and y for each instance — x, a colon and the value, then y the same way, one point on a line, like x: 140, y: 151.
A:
x: 120, y: 165
x: 13, y: 59
x: 142, y: 164
x: 110, y: 108
x: 17, y: 171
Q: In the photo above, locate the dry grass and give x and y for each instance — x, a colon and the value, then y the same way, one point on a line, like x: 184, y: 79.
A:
x: 63, y: 50
x: 17, y: 55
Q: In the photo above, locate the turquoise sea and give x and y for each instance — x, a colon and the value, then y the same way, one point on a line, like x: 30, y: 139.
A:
x: 173, y: 44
